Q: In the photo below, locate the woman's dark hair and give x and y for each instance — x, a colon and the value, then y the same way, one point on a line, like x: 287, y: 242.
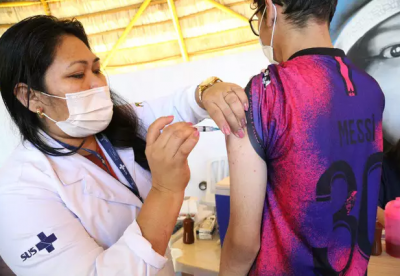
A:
x: 300, y: 11
x: 27, y: 50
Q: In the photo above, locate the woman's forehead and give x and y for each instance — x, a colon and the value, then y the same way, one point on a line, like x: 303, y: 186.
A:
x: 71, y: 49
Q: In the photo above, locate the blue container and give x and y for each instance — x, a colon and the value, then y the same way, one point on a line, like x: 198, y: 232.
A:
x: 222, y: 197
x: 223, y: 209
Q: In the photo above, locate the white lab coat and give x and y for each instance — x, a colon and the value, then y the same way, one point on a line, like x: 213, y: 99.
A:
x: 91, y: 214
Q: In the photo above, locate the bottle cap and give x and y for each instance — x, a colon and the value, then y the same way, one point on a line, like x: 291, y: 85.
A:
x: 392, y: 210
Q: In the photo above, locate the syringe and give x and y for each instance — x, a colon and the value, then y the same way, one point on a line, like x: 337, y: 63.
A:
x: 206, y: 128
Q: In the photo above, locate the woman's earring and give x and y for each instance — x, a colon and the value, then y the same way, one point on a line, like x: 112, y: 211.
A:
x: 39, y: 112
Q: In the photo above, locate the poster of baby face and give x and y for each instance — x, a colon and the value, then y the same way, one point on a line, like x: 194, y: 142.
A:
x: 369, y: 32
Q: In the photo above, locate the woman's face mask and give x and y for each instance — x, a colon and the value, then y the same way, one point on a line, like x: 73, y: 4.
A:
x: 90, y: 112
x: 268, y: 49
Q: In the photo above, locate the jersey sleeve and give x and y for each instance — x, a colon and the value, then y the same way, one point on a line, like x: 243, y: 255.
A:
x: 269, y: 115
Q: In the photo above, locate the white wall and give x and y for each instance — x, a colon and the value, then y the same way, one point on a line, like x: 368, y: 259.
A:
x: 150, y: 84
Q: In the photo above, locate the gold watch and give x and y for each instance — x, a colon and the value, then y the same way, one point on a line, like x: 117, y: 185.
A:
x: 207, y: 84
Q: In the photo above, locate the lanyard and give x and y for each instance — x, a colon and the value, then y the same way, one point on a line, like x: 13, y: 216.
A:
x: 109, y: 148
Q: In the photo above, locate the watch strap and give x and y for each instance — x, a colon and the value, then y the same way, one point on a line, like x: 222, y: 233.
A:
x: 204, y: 87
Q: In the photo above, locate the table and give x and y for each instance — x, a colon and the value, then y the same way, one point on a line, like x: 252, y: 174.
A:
x: 384, y: 265
x: 202, y: 259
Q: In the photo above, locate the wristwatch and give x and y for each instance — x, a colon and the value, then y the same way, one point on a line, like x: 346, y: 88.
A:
x: 207, y: 84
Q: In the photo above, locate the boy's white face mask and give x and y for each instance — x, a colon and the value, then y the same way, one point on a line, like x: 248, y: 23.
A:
x: 268, y: 49
x: 90, y: 112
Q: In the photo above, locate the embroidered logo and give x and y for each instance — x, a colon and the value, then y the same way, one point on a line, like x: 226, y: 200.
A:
x: 266, y: 78
x: 46, y: 243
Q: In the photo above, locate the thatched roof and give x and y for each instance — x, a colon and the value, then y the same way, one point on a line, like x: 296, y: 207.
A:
x: 205, y: 27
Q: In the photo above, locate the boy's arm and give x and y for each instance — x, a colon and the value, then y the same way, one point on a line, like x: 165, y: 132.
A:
x: 248, y: 181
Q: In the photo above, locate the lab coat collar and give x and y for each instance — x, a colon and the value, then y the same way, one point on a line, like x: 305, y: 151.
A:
x: 96, y: 182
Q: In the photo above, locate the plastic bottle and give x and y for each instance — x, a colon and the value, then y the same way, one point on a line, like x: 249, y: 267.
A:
x: 392, y: 217
x: 188, y: 230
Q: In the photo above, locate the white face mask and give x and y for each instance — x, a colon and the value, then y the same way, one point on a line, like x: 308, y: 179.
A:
x: 268, y: 49
x: 90, y: 112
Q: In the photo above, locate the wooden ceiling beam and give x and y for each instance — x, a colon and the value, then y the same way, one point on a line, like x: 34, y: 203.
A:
x: 135, y: 6
x: 199, y: 53
x: 226, y: 47
x: 26, y: 3
x: 82, y: 16
x: 152, y: 3
x: 18, y: 4
x: 120, y: 9
x: 45, y: 7
x: 169, y: 20
x: 134, y: 27
x: 178, y: 30
x: 175, y: 40
x: 126, y: 32
x: 227, y: 10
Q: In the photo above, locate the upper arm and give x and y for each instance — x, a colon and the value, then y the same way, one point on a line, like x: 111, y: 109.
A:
x: 248, y: 179
x: 248, y: 157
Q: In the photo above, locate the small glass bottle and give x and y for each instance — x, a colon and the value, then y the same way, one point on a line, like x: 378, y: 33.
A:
x: 188, y: 230
x: 377, y: 246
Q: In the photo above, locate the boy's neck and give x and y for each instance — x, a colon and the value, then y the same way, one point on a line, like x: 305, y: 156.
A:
x: 312, y: 36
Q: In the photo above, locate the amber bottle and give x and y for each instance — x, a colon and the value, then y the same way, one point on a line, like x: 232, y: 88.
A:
x: 188, y: 230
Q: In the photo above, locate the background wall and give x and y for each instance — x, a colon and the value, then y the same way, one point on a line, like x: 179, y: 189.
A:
x: 150, y: 84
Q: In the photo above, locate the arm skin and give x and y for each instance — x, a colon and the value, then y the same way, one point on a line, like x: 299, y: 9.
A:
x: 158, y: 217
x: 248, y: 179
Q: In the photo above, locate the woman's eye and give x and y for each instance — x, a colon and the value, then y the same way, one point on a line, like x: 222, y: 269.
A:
x: 78, y: 76
x: 98, y: 72
x: 392, y: 52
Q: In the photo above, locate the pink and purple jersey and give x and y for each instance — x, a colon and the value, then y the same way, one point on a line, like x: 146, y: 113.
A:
x: 316, y: 120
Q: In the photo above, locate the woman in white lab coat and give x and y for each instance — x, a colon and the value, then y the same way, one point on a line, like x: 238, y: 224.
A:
x: 77, y: 196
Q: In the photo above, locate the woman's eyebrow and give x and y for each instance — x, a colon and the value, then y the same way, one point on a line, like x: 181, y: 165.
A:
x: 84, y: 62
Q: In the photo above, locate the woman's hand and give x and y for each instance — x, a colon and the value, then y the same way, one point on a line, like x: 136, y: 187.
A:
x: 226, y: 104
x: 167, y: 154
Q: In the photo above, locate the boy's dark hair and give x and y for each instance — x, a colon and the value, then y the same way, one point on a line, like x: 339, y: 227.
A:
x: 300, y: 11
